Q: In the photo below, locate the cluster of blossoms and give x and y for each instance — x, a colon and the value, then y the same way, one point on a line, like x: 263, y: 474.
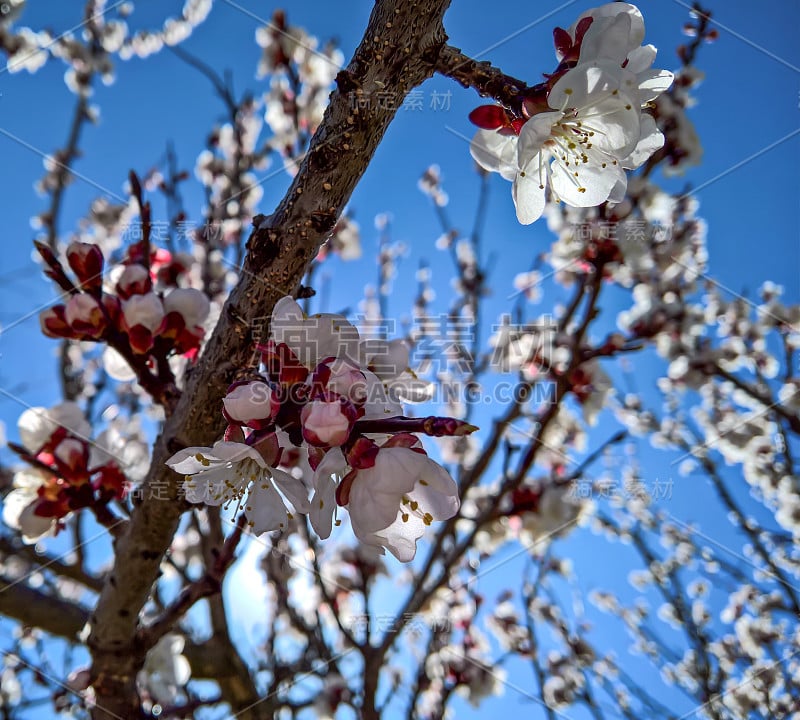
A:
x: 106, y: 34
x: 302, y: 73
x: 579, y: 131
x: 226, y: 168
x: 327, y: 398
x: 67, y: 471
x: 130, y: 314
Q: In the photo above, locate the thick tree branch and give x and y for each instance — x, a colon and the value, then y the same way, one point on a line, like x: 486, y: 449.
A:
x: 398, y: 52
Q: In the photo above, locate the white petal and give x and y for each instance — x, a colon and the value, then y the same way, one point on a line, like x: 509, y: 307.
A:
x: 533, y: 135
x: 287, y: 325
x: 380, y: 404
x: 198, y: 459
x: 377, y: 491
x: 234, y: 452
x: 609, y: 40
x: 334, y: 463
x: 584, y: 85
x: 29, y: 480
x: 652, y: 83
x: 617, y: 194
x: 528, y: 193
x: 37, y: 424
x: 293, y: 488
x: 265, y: 508
x: 400, y: 538
x: 386, y: 359
x: 331, y: 336
x: 117, y: 366
x: 323, y: 503
x: 439, y: 493
x: 495, y: 152
x: 651, y: 141
x: 18, y: 513
x: 603, y: 17
x: 641, y: 59
x: 596, y: 181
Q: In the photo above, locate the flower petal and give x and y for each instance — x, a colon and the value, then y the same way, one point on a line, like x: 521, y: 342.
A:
x: 495, y: 152
x: 265, y: 509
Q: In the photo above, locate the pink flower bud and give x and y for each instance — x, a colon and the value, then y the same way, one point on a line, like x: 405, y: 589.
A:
x: 192, y: 305
x: 135, y: 280
x: 252, y: 404
x: 54, y: 324
x: 326, y: 423
x: 85, y: 315
x: 145, y: 310
x: 340, y: 377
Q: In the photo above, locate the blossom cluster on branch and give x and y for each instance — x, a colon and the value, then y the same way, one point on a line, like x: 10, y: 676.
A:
x: 579, y: 131
x: 326, y: 398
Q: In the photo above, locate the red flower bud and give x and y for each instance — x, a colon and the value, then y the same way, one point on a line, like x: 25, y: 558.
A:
x: 86, y: 261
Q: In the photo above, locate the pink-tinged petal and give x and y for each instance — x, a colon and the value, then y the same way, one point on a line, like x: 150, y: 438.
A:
x: 84, y: 315
x: 325, y: 423
x: 250, y: 401
x: 73, y: 454
x: 53, y: 323
x: 146, y: 310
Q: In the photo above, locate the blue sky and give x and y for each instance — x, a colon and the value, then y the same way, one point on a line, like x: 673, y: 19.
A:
x: 748, y: 118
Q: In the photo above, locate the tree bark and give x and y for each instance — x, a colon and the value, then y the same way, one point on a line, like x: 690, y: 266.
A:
x: 399, y: 51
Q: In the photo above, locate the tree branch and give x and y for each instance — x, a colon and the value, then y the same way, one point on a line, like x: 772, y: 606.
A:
x: 483, y: 77
x: 397, y: 53
x: 35, y: 609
